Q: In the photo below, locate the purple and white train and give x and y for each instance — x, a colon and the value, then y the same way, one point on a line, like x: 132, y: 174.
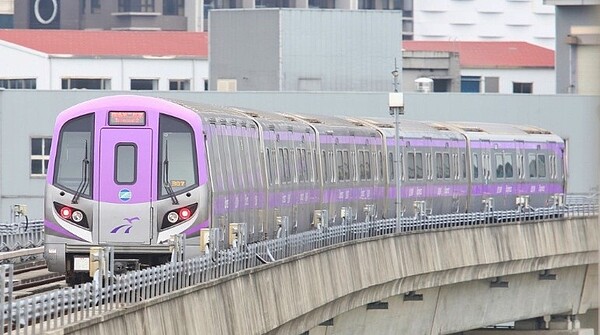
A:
x: 131, y: 171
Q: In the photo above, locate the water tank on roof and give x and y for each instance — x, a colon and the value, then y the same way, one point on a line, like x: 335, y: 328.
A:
x: 424, y: 84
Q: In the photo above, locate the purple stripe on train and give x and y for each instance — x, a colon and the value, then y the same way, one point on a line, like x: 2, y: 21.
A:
x: 61, y: 231
x: 193, y: 230
x: 223, y: 204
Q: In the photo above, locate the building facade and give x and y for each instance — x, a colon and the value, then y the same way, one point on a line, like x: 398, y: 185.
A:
x: 577, y: 46
x: 485, y: 67
x: 103, y: 60
x: 529, y: 21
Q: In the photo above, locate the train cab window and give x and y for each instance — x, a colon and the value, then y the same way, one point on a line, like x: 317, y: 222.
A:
x: 541, y: 166
x: 125, y: 163
x: 508, y: 166
x: 532, y: 166
x: 74, y: 154
x: 475, y: 166
x: 177, y: 156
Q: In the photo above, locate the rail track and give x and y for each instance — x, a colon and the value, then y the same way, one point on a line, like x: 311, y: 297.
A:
x: 30, y: 275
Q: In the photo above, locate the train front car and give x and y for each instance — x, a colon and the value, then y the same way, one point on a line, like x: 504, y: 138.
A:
x: 127, y: 172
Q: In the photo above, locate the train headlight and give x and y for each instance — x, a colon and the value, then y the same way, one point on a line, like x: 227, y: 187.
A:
x: 66, y: 212
x: 185, y: 213
x: 77, y: 216
x: 173, y: 217
x: 73, y: 215
x: 178, y: 215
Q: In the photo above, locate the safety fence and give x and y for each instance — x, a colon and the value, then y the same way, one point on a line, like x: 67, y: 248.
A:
x: 51, y: 310
x: 14, y: 236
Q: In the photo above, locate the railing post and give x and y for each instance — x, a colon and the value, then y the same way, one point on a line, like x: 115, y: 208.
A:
x: 6, y: 289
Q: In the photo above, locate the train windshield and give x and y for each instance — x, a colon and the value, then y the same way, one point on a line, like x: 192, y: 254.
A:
x: 75, y: 149
x: 177, y: 155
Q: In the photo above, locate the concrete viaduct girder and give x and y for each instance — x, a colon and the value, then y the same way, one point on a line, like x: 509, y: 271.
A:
x: 296, y: 294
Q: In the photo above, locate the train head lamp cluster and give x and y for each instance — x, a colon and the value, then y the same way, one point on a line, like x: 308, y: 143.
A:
x: 71, y: 214
x: 178, y: 215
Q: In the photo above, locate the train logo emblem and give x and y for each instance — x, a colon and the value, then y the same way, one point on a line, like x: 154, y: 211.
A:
x: 125, y: 195
x: 126, y: 226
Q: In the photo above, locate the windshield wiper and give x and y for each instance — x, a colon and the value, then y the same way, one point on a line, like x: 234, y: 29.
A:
x: 85, y: 163
x: 166, y: 183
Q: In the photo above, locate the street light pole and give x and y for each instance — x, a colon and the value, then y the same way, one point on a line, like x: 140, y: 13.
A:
x: 396, y: 105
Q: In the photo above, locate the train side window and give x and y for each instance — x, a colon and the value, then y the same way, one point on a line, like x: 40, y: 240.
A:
x: 125, y: 163
x: 541, y: 165
x: 499, y: 166
x: 508, y: 166
x: 299, y: 165
x: 532, y: 166
x: 519, y: 164
x: 446, y: 165
x: 286, y: 165
x: 324, y: 157
x: 464, y: 165
x: 391, y: 166
x: 438, y: 166
x: 315, y: 165
x: 331, y: 166
x: 340, y: 165
x: 475, y: 166
x: 269, y: 167
x: 368, y: 175
x: 353, y: 171
x: 361, y: 164
x: 410, y: 165
x: 380, y: 165
x: 455, y: 166
x: 346, y: 165
x: 419, y: 165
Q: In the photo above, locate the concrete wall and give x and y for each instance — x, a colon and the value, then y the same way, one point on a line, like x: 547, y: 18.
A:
x: 305, y: 50
x: 296, y: 294
x: 566, y: 17
x: 26, y: 114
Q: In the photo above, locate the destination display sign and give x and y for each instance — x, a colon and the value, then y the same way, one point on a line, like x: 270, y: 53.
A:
x: 116, y: 118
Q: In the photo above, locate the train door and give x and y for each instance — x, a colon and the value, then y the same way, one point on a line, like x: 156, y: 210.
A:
x: 125, y: 186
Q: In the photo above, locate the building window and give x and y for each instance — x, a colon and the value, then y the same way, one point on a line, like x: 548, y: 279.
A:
x: 85, y: 83
x: 366, y: 4
x: 470, y: 84
x: 173, y: 7
x: 144, y: 84
x: 27, y: 83
x: 492, y: 84
x: 179, y: 85
x: 40, y: 155
x: 136, y: 5
x: 522, y: 87
x: 95, y: 6
x: 206, y: 85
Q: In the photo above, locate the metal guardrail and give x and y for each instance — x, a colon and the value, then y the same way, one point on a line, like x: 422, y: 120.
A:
x: 57, y: 308
x: 14, y: 236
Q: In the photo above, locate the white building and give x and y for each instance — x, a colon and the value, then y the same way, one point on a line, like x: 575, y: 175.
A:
x: 485, y: 20
x: 493, y: 67
x: 106, y: 60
